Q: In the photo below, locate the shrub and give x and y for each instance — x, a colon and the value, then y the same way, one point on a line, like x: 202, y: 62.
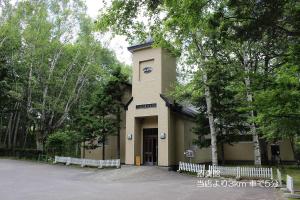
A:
x: 62, y: 143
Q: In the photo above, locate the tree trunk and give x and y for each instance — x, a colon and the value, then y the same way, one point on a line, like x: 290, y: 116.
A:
x: 25, y: 138
x: 264, y: 151
x: 83, y: 149
x: 39, y: 141
x: 256, y: 148
x: 29, y: 91
x: 213, y: 134
x: 16, y: 128
x: 103, y: 150
x: 118, y: 137
x: 8, y: 130
x: 1, y: 125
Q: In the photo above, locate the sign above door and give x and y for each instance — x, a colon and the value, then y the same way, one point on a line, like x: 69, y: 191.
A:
x: 143, y: 106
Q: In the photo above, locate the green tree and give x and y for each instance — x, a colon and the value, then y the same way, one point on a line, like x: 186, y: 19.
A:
x: 50, y: 61
x: 100, y: 118
x: 278, y: 106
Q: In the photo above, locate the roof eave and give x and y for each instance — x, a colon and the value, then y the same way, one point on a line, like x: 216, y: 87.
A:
x: 140, y: 46
x: 177, y: 108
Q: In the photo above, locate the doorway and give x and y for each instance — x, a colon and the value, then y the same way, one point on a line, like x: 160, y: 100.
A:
x: 150, y: 146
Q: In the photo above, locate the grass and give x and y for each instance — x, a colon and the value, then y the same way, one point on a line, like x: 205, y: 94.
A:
x: 294, y: 172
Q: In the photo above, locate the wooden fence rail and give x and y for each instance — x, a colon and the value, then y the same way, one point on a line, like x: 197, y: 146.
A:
x: 88, y: 162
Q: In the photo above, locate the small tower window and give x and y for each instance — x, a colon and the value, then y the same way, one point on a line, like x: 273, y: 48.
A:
x: 146, y: 70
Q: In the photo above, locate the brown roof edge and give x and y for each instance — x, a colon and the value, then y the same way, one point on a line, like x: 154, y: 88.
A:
x: 140, y: 46
x: 179, y: 108
x: 128, y: 103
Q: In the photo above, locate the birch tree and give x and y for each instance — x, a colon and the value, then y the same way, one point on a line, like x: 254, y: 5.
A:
x: 50, y: 58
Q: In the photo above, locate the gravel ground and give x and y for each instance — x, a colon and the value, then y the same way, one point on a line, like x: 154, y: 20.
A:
x: 25, y: 180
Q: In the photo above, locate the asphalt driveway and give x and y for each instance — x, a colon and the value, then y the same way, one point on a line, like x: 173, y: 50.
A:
x: 25, y: 180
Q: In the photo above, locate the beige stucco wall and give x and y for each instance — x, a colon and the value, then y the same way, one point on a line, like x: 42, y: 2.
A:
x: 184, y: 141
x: 244, y: 151
x: 130, y: 129
x: 180, y: 138
x: 202, y: 155
x: 172, y: 139
x: 110, y: 150
x: 164, y: 127
x: 168, y: 71
x: 239, y: 151
x: 122, y: 136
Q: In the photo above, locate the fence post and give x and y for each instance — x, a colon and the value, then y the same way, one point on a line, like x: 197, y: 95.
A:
x: 100, y: 164
x: 179, y: 167
x: 83, y: 163
x: 290, y: 184
x: 279, y: 178
x: 68, y: 161
x: 271, y: 173
x: 55, y: 160
x: 238, y: 170
x: 119, y: 163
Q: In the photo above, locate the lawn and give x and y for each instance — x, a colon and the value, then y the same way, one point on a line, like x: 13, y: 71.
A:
x: 294, y: 172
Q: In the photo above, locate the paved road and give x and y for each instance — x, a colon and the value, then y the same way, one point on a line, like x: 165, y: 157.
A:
x: 24, y: 180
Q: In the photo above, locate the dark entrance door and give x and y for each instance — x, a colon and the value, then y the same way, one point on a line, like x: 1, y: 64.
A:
x: 150, y: 146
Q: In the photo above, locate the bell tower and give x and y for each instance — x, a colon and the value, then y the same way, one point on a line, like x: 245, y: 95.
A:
x: 154, y: 71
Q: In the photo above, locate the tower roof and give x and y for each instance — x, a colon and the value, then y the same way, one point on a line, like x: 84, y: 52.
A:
x: 148, y: 43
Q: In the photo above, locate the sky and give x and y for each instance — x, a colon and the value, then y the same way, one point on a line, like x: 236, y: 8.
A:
x: 118, y: 44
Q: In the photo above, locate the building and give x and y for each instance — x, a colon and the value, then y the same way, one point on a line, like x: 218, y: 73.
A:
x: 156, y: 129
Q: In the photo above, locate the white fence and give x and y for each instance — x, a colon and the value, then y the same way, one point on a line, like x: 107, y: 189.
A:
x: 88, y: 162
x: 190, y: 167
x: 290, y: 184
x: 241, y: 172
x: 279, y: 178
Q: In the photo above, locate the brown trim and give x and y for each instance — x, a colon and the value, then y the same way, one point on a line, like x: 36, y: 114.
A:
x: 175, y: 107
x: 140, y: 46
x: 128, y: 103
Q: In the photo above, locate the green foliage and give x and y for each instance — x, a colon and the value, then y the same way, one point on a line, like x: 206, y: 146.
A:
x: 50, y: 63
x: 62, y: 143
x: 99, y: 118
x: 279, y: 106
